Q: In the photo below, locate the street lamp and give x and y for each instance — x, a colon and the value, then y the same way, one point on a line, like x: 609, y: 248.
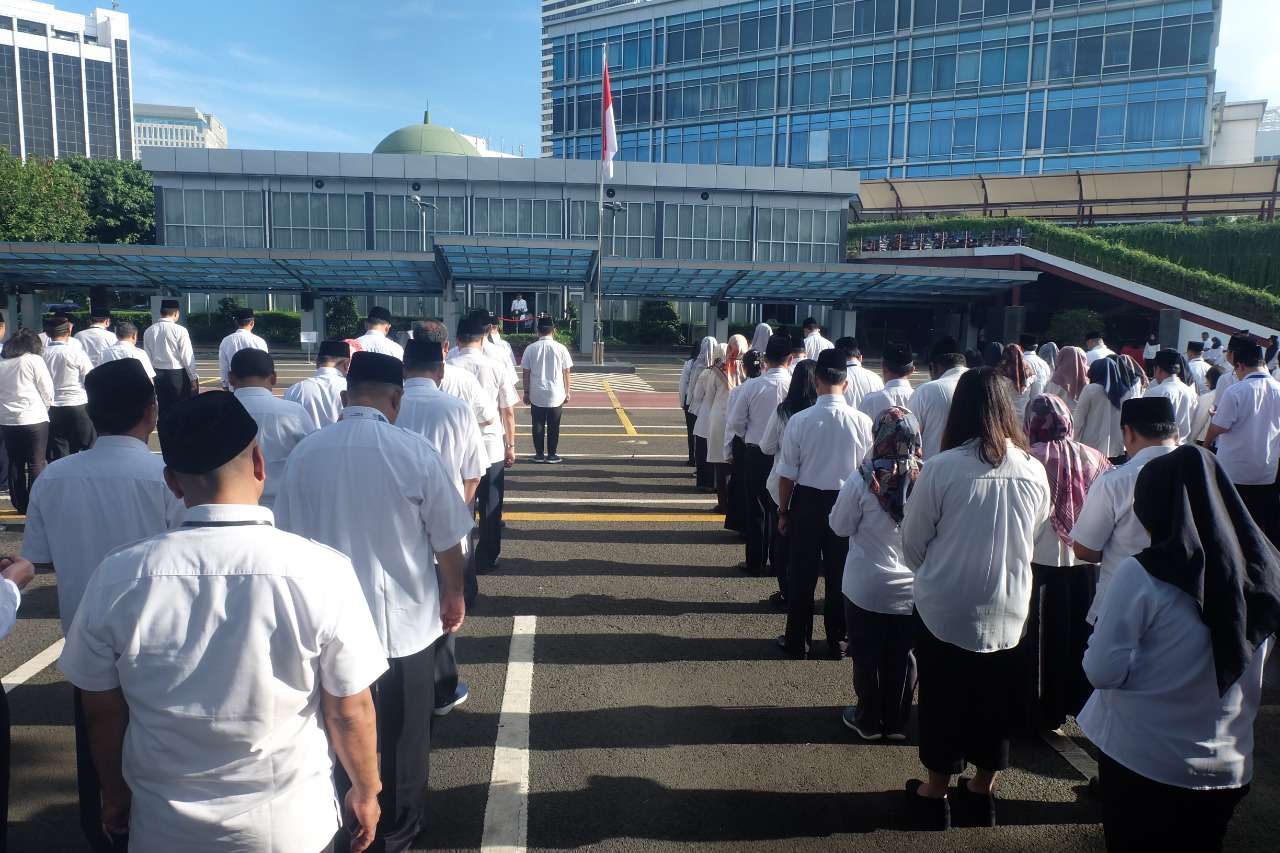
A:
x: 597, y: 354
x: 423, y: 207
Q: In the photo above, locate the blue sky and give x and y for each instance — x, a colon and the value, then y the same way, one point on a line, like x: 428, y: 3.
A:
x: 339, y: 76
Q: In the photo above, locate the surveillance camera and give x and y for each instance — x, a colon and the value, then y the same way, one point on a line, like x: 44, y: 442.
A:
x: 416, y: 199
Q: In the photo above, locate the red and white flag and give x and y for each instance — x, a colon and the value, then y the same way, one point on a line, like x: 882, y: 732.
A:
x: 609, y: 138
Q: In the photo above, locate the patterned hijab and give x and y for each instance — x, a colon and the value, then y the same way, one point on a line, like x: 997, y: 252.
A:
x: 1072, y: 466
x: 1071, y: 374
x: 1013, y: 366
x: 1049, y: 352
x: 890, y: 471
x: 733, y: 368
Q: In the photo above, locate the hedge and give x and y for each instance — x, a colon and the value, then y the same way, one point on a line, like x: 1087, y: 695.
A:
x: 1245, y: 251
x: 1085, y: 248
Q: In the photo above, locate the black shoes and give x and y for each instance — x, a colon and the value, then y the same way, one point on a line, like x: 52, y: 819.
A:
x: 974, y: 809
x: 779, y: 601
x: 930, y: 813
x: 782, y: 644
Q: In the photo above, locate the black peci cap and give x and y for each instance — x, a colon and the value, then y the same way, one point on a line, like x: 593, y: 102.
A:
x: 252, y: 362
x: 1028, y: 342
x: 169, y: 305
x: 831, y: 359
x: 117, y: 385
x: 1195, y: 346
x: 946, y: 346
x: 546, y: 324
x: 335, y: 349
x: 99, y: 314
x: 779, y: 348
x: 810, y: 323
x: 205, y: 432
x: 897, y: 354
x: 1146, y: 411
x: 1239, y: 342
x: 243, y: 315
x: 56, y: 325
x: 472, y: 326
x: 1170, y: 361
x: 423, y: 352
x: 375, y: 367
x: 378, y: 314
x: 1091, y: 335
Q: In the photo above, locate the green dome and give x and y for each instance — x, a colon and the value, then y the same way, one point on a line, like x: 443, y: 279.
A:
x: 426, y: 138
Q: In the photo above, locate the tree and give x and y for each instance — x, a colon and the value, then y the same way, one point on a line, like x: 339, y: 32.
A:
x: 40, y: 201
x: 340, y: 317
x: 119, y: 198
x: 658, y: 324
x: 1068, y: 327
x: 228, y: 306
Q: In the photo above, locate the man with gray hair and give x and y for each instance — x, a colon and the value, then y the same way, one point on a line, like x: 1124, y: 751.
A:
x: 126, y: 346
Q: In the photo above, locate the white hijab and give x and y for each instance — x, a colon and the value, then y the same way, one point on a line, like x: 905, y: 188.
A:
x: 706, y: 358
x: 760, y: 339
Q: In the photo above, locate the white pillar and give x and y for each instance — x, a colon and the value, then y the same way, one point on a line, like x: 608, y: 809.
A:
x: 717, y: 328
x: 450, y: 311
x: 11, y: 316
x: 313, y: 321
x: 30, y: 317
x: 842, y: 324
x: 587, y: 327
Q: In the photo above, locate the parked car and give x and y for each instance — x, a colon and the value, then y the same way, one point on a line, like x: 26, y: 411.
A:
x: 55, y: 307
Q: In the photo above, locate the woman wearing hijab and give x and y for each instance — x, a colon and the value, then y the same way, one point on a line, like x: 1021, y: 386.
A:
x: 685, y: 388
x: 1053, y: 681
x: 760, y: 339
x: 968, y: 533
x: 1069, y: 377
x: 1097, y: 414
x: 1022, y: 376
x: 991, y: 353
x: 1049, y: 352
x: 1273, y: 353
x: 1177, y: 658
x: 704, y: 477
x: 877, y: 583
x: 710, y: 395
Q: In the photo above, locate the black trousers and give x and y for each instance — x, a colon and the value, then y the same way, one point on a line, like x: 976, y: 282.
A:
x: 689, y: 420
x: 89, y: 788
x: 735, y: 500
x: 815, y: 552
x: 965, y: 700
x: 1051, y: 679
x: 1263, y: 503
x: 26, y: 445
x: 489, y: 502
x: 759, y: 518
x: 70, y: 431
x: 546, y: 425
x: 446, y: 656
x: 6, y: 753
x: 1140, y: 814
x: 884, y: 669
x: 404, y: 697
x: 705, y: 476
x: 172, y: 386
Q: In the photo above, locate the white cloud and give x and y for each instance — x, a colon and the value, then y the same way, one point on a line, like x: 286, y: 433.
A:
x: 1247, y: 60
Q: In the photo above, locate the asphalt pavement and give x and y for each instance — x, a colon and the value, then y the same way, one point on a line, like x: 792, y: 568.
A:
x: 660, y: 716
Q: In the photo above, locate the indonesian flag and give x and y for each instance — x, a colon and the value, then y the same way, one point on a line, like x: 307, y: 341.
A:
x: 609, y: 138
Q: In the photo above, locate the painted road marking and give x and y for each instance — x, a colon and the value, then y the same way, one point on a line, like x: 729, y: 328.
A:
x: 534, y: 499
x: 596, y: 381
x: 506, y: 816
x: 1072, y: 754
x: 612, y: 435
x: 617, y: 407
x: 620, y: 518
x: 32, y: 667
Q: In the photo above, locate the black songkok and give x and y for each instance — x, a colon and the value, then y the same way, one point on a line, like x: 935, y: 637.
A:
x: 810, y: 323
x: 946, y: 346
x: 1195, y: 346
x: 117, y: 386
x: 375, y: 367
x: 205, y: 432
x: 1147, y: 411
x: 250, y: 362
x: 1170, y: 361
x: 778, y: 349
x: 472, y: 327
x: 423, y: 352
x: 1028, y: 342
x: 243, y: 315
x: 897, y: 355
x: 169, y: 305
x: 831, y: 360
x: 378, y: 314
x: 1239, y: 342
x: 56, y: 325
x: 546, y: 324
x: 335, y: 349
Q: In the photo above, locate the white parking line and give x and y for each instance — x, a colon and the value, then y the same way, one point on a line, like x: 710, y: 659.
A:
x: 506, y: 817
x: 24, y: 673
x: 534, y: 499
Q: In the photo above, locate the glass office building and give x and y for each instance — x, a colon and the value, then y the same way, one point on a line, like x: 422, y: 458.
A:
x: 892, y: 88
x: 64, y: 82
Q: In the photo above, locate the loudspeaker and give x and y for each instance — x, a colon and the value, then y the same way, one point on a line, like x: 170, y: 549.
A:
x: 308, y: 301
x: 722, y: 310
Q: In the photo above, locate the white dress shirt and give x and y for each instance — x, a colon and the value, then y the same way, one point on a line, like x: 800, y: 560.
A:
x: 221, y: 639
x: 10, y: 601
x: 1184, y: 401
x: 1213, y: 355
x: 111, y: 495
x: 376, y: 340
x: 1149, y: 351
x: 896, y: 392
x: 496, y: 347
x: 546, y: 359
x: 71, y: 342
x: 860, y: 383
x: 497, y: 387
x: 232, y: 344
x: 518, y: 308
x: 1097, y: 422
x: 1100, y: 351
x: 380, y: 495
x: 282, y: 424
x: 449, y: 424
x: 168, y: 345
x: 823, y: 444
x: 815, y: 343
x: 1249, y: 450
x: 320, y: 395
x: 126, y: 349
x: 1107, y: 524
x: 68, y: 366
x: 1199, y: 375
x: 875, y: 576
x: 969, y: 533
x: 751, y: 405
x: 95, y: 341
x: 1225, y: 381
x: 931, y: 404
x: 459, y: 383
x: 1156, y: 708
x: 26, y: 390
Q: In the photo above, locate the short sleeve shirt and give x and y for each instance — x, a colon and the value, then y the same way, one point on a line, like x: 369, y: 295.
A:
x: 546, y: 360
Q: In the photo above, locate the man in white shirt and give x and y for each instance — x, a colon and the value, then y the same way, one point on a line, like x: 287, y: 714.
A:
x: 814, y: 342
x: 499, y: 436
x: 1095, y: 348
x: 896, y: 366
x: 519, y: 308
x: 1107, y: 532
x: 70, y: 430
x: 1029, y: 344
x: 1168, y: 383
x: 321, y: 395
x: 461, y: 384
x: 242, y: 338
x: 1199, y: 368
x: 496, y: 347
x: 820, y: 447
x: 859, y: 382
x: 375, y: 339
x: 168, y: 345
x: 282, y: 424
x: 1246, y: 429
x: 227, y: 744
x: 382, y: 496
x: 113, y: 494
x: 97, y: 337
x: 126, y: 346
x: 931, y: 402
x: 546, y: 365
x: 1214, y: 353
x: 746, y: 416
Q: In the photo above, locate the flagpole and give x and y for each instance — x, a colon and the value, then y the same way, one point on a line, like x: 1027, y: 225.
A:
x: 597, y: 347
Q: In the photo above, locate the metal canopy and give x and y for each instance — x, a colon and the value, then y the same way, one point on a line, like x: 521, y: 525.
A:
x: 482, y: 261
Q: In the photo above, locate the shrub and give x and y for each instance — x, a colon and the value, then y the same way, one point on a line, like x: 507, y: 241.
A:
x: 1068, y: 327
x: 658, y: 324
x: 341, y: 319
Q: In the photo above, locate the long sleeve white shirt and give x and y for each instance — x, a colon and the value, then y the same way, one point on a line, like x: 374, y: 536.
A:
x: 823, y: 444
x: 875, y: 576
x: 95, y: 341
x: 282, y: 425
x: 449, y: 424
x: 1184, y: 401
x: 816, y: 343
x: 168, y: 345
x: 969, y: 533
x: 931, y: 404
x: 497, y: 387
x: 1097, y: 422
x: 320, y: 395
x: 232, y: 344
x: 752, y: 403
x: 376, y: 340
x: 68, y: 366
x: 126, y: 349
x: 26, y: 390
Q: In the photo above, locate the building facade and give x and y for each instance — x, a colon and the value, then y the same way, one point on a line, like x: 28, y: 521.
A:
x: 65, y: 85
x: 892, y: 88
x: 175, y: 127
x: 1267, y: 145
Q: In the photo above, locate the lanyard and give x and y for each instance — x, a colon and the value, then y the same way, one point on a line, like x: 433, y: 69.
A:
x: 355, y: 416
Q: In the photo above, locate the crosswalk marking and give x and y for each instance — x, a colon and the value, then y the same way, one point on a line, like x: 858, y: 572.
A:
x: 617, y: 381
